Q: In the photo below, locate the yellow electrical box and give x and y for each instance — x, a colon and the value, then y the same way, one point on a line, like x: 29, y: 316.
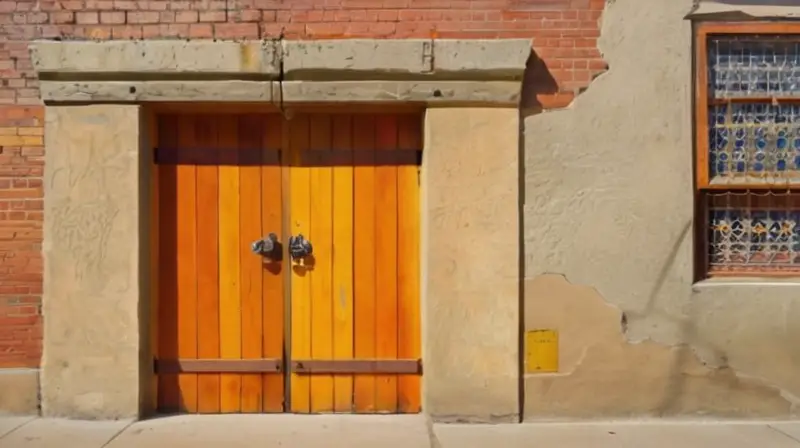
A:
x: 541, y: 351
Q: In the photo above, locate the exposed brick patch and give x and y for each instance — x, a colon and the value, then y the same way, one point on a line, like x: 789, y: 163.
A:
x: 564, y: 34
x: 21, y: 165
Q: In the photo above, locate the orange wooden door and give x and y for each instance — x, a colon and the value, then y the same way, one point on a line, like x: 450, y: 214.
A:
x: 355, y: 330
x: 219, y: 307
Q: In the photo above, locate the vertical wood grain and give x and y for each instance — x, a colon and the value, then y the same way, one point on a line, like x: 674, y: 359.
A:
x: 208, y: 322
x: 230, y: 308
x: 343, y: 257
x: 300, y: 198
x: 187, y: 260
x: 321, y: 236
x: 386, y: 262
x: 273, y: 275
x: 364, y: 256
x: 250, y: 149
x: 408, y: 268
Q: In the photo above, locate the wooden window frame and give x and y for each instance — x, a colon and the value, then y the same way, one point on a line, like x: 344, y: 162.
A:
x: 702, y: 101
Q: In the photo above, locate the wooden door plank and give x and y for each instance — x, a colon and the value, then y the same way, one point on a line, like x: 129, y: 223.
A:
x: 408, y: 259
x: 208, y: 384
x: 301, y: 286
x: 272, y: 286
x: 364, y: 256
x: 187, y: 261
x: 250, y: 143
x: 168, y: 391
x: 321, y: 236
x: 229, y: 266
x: 386, y: 263
x: 343, y: 258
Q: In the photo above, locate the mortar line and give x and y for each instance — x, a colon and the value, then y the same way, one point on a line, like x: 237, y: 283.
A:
x: 33, y: 418
x: 783, y: 433
x: 114, y: 437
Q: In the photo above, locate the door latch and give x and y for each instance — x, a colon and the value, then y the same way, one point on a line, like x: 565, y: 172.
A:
x: 299, y: 247
x: 268, y: 247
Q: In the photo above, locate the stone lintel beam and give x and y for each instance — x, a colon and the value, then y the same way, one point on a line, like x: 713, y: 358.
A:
x: 320, y: 60
x: 153, y: 58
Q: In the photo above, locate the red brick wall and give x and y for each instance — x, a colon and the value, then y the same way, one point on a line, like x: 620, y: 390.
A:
x: 564, y: 35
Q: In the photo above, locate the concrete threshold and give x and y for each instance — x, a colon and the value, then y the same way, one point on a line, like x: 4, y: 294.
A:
x: 385, y: 431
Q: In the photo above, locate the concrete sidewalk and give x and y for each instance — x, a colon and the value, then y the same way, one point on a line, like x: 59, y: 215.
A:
x: 296, y: 431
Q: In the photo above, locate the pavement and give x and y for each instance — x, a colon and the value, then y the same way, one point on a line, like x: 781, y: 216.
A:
x: 332, y: 431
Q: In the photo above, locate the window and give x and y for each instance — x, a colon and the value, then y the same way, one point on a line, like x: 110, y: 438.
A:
x: 748, y: 149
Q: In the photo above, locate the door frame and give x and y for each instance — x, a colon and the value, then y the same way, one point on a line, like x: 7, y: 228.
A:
x: 287, y: 366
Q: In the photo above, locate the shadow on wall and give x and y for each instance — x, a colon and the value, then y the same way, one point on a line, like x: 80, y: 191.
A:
x: 537, y: 81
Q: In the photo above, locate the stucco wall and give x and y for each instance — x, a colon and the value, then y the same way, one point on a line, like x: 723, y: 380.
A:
x: 470, y: 269
x: 608, y: 212
x: 91, y: 360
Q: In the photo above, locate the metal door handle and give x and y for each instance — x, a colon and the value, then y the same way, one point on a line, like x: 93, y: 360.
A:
x: 268, y: 247
x: 299, y: 247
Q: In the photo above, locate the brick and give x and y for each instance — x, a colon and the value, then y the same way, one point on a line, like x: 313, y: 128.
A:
x: 186, y: 17
x: 112, y: 17
x: 236, y: 30
x: 201, y: 31
x: 87, y: 18
x: 142, y: 17
x: 20, y: 140
x: 126, y: 32
x: 213, y: 16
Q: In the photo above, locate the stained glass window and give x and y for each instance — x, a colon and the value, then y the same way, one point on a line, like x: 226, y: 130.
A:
x: 754, y: 66
x: 757, y: 139
x: 751, y: 231
x: 754, y: 140
x: 749, y: 180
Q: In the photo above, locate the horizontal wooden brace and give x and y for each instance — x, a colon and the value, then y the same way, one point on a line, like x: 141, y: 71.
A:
x: 357, y: 366
x: 258, y: 157
x: 265, y: 365
x: 217, y: 156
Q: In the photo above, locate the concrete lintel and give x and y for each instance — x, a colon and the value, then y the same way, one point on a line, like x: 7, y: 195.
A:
x: 364, y: 59
x: 137, y: 58
x: 429, y: 92
x: 713, y: 10
x: 441, y: 58
x: 151, y: 91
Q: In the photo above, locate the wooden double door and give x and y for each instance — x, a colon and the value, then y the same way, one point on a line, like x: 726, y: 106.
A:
x: 245, y: 331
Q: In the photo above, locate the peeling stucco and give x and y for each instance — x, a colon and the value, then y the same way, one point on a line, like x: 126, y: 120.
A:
x: 609, y: 204
x: 603, y: 374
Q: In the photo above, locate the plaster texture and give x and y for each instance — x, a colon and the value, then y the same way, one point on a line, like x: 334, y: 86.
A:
x: 471, y: 264
x: 609, y: 208
x: 91, y: 360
